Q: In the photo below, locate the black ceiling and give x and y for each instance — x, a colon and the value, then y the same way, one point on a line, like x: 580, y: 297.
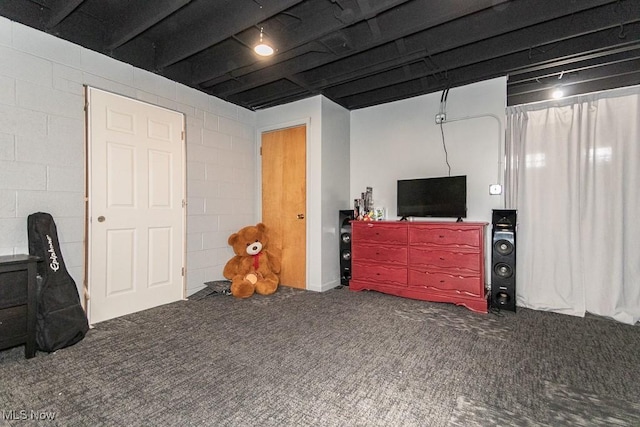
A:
x: 358, y: 53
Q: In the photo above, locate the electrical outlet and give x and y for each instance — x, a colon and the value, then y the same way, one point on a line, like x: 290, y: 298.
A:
x: 441, y: 118
x: 495, y: 189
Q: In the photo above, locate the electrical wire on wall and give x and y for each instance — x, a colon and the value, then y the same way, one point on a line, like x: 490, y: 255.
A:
x: 440, y: 119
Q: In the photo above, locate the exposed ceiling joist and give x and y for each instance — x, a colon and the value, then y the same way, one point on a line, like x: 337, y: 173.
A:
x: 61, y: 11
x: 225, y: 19
x: 411, y: 14
x: 136, y: 21
x: 358, y: 53
x: 297, y: 40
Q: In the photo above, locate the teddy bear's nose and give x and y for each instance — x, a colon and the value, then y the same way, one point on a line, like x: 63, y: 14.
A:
x: 255, y: 247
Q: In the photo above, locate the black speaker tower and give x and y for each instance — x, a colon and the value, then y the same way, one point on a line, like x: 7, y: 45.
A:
x: 503, y: 259
x: 345, y: 246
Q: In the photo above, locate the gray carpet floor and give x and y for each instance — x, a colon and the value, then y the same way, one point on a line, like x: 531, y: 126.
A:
x: 337, y: 358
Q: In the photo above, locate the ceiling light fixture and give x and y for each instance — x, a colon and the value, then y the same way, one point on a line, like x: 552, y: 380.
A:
x: 557, y: 89
x: 557, y: 93
x: 262, y: 48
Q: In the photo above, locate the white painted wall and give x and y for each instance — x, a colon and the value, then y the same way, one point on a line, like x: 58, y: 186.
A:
x: 327, y: 178
x: 335, y: 186
x: 401, y: 140
x: 42, y: 148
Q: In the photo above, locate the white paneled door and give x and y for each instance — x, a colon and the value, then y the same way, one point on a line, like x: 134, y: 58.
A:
x: 136, y: 214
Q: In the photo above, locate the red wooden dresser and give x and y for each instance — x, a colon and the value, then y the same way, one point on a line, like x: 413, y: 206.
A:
x: 431, y: 261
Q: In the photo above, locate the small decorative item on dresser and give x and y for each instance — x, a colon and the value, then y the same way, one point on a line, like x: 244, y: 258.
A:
x: 363, y: 209
x: 379, y: 214
x: 18, y: 302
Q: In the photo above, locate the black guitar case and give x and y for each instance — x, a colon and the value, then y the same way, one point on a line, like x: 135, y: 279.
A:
x: 61, y: 321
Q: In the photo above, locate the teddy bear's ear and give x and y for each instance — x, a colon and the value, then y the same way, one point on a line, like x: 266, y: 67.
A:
x: 261, y: 227
x: 232, y: 239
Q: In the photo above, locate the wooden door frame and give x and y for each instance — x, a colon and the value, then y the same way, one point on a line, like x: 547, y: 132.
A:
x: 258, y: 199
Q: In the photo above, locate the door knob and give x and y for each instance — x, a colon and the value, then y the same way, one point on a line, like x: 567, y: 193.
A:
x: 300, y: 216
x: 101, y: 218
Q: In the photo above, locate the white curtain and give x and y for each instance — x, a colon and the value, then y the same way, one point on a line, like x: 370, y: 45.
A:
x: 573, y: 174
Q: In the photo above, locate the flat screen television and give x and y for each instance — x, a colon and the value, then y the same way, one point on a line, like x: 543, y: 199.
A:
x: 440, y: 197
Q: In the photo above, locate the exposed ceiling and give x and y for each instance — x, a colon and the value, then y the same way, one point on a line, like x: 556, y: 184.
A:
x: 358, y: 53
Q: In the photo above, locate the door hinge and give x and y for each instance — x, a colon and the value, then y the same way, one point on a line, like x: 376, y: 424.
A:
x: 184, y: 203
x: 261, y: 150
x: 182, y: 271
x: 182, y: 135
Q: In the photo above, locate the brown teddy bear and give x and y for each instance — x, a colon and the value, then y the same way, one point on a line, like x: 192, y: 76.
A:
x: 254, y: 268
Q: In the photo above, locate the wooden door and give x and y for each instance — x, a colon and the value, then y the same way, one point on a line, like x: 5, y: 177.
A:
x: 284, y: 199
x: 136, y: 231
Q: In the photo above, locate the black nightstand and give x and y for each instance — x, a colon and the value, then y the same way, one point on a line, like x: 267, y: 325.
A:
x: 18, y: 302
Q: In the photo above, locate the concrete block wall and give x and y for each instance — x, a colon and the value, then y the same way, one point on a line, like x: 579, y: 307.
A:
x: 42, y: 148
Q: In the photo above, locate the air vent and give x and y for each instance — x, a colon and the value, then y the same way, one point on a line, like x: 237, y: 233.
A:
x: 337, y: 43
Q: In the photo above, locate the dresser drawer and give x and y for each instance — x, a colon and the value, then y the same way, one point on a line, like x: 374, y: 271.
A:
x: 391, y: 274
x: 18, y: 302
x: 454, y: 261
x: 379, y: 233
x: 12, y: 288
x: 380, y: 253
x: 13, y: 323
x: 434, y: 281
x: 459, y: 236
